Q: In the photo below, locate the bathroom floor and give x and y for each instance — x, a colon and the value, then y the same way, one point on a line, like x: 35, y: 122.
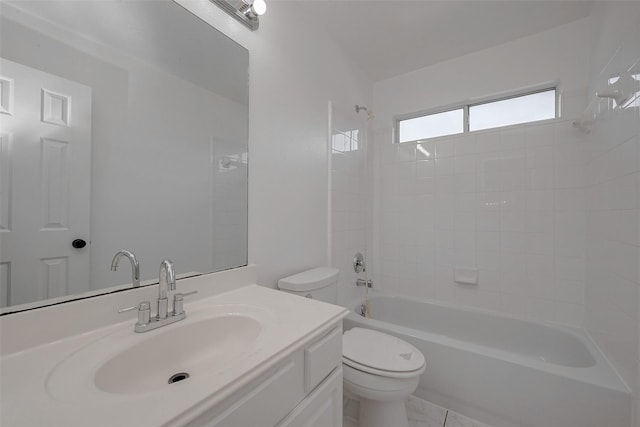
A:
x: 421, y: 414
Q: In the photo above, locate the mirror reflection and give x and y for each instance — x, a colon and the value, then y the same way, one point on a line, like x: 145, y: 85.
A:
x: 123, y: 126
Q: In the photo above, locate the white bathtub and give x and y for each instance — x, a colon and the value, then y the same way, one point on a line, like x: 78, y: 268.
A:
x: 504, y: 371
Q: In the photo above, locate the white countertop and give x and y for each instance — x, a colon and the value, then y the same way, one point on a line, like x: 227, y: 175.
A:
x: 32, y: 396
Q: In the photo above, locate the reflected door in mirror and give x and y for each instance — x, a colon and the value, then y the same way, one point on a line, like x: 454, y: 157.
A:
x: 166, y: 147
x: 46, y: 149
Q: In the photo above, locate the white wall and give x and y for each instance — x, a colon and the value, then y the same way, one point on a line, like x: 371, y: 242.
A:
x: 612, y: 314
x: 294, y: 71
x: 509, y: 202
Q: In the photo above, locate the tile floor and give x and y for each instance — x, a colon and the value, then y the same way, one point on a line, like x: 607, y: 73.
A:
x: 421, y: 414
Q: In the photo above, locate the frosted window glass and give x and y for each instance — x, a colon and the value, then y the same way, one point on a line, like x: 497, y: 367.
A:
x: 523, y: 109
x: 431, y: 126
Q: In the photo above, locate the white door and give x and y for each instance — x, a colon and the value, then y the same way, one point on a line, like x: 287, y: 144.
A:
x: 45, y: 160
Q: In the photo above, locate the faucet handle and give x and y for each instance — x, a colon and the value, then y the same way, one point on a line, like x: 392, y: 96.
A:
x: 178, y: 302
x: 144, y: 312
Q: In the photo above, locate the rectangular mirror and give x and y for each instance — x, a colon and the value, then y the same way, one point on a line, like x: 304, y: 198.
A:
x: 123, y: 125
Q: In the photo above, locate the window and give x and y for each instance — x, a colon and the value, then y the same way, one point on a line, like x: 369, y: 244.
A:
x: 431, y: 126
x: 512, y: 111
x: 522, y: 108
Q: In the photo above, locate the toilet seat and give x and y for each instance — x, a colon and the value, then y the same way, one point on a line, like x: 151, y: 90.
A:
x: 381, y: 372
x: 381, y: 354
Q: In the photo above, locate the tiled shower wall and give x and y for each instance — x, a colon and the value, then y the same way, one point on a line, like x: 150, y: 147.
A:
x: 229, y: 224
x: 612, y: 314
x: 509, y: 202
x: 351, y: 198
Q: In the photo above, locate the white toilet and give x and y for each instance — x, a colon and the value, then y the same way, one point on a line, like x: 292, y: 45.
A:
x: 379, y: 369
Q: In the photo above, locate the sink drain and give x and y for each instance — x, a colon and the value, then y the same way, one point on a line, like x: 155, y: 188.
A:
x: 178, y: 377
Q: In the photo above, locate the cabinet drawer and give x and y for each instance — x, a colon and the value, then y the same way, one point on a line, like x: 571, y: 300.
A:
x: 321, y: 358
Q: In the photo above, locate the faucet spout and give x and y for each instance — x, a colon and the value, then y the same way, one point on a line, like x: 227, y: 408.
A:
x: 167, y: 278
x: 135, y: 265
x: 167, y: 282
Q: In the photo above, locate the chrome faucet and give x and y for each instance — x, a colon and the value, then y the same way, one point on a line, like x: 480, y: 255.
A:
x: 363, y: 282
x: 135, y: 265
x: 166, y: 283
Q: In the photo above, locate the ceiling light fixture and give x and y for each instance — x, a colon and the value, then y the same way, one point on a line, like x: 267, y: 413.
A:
x: 245, y: 11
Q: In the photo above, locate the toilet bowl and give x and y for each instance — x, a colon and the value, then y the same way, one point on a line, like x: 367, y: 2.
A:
x: 381, y: 371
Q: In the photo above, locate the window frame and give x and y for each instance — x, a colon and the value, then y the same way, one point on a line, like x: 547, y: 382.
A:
x: 465, y: 106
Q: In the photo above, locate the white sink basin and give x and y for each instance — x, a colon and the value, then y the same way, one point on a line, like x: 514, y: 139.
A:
x: 208, y: 343
x: 179, y: 354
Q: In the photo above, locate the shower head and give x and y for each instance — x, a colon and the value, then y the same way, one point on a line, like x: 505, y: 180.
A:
x: 370, y: 114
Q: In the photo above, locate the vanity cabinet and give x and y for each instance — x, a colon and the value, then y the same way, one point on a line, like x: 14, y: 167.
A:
x: 303, y: 389
x: 322, y: 408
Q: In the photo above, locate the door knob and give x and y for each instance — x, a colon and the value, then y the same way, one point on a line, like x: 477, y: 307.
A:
x: 78, y: 243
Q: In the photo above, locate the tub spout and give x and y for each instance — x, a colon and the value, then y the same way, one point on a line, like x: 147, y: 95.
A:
x: 362, y: 282
x: 363, y: 310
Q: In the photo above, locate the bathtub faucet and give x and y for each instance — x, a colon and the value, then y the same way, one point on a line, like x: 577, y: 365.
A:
x: 362, y: 282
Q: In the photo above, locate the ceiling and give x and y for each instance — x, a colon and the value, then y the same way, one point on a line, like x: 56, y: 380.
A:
x: 392, y: 37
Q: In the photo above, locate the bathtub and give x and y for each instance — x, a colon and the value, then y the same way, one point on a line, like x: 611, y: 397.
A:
x: 500, y: 370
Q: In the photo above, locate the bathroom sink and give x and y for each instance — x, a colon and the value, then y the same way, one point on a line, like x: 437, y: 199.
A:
x: 211, y: 342
x: 178, y: 354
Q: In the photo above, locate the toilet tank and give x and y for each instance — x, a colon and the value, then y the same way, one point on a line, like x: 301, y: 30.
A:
x: 320, y: 283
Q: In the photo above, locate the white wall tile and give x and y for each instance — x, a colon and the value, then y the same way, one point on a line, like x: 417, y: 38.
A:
x: 466, y: 202
x: 512, y: 139
x: 445, y: 147
x: 513, y: 159
x: 465, y: 164
x: 465, y: 145
x: 489, y: 181
x: 566, y: 177
x: 406, y: 152
x: 445, y: 166
x: 425, y: 168
x: 493, y: 201
x: 425, y: 150
x: 487, y: 142
x: 539, y: 135
x: 540, y: 179
x: 445, y: 184
x: 569, y: 314
x: 514, y: 179
x: 539, y: 157
x: 570, y: 200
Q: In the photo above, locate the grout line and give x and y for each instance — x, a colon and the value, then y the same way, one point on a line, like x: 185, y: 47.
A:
x: 445, y: 418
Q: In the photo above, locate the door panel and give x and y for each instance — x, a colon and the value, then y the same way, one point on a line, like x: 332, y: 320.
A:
x: 45, y: 156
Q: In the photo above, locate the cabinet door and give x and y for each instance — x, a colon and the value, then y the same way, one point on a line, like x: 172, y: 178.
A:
x: 322, y: 408
x: 261, y: 403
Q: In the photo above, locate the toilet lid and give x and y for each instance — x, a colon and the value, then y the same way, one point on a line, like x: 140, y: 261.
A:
x: 383, y: 352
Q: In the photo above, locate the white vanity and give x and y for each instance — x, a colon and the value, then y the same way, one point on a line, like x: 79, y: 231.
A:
x: 244, y: 356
